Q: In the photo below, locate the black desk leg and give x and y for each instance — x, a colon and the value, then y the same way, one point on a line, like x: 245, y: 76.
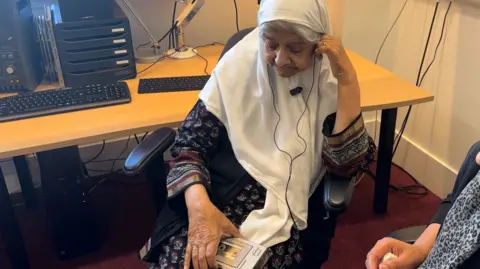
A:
x: 10, y: 232
x: 384, y: 163
x: 25, y: 178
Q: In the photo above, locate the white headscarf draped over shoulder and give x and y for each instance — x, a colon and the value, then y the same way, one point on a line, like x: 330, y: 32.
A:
x: 239, y: 94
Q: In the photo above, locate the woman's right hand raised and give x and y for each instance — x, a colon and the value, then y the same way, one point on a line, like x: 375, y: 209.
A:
x: 207, y: 225
x: 408, y: 256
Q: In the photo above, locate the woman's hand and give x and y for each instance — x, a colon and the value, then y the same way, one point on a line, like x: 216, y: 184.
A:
x: 408, y: 256
x: 348, y: 106
x: 207, y: 225
x: 342, y: 68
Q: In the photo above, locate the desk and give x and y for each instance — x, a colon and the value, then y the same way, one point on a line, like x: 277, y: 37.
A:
x: 380, y: 90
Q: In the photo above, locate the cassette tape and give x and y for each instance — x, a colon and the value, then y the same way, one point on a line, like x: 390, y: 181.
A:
x: 236, y: 253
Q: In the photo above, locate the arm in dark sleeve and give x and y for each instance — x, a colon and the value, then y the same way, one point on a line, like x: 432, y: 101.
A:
x: 195, y: 144
x: 467, y: 172
x: 345, y: 152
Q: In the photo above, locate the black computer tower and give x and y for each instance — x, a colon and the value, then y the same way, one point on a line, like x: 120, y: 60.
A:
x: 72, y: 220
x: 96, y: 50
x: 20, y: 66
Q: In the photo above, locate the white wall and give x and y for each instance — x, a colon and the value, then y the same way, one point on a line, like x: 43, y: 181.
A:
x: 439, y: 133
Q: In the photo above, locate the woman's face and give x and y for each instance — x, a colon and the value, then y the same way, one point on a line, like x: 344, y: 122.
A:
x: 287, y: 52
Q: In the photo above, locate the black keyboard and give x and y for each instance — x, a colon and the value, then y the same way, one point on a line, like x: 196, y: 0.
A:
x: 174, y: 84
x: 35, y: 104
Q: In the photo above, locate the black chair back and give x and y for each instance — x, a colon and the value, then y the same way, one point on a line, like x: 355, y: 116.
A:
x: 235, y: 39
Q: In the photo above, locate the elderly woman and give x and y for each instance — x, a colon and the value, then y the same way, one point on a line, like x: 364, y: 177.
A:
x: 286, y: 102
x: 452, y: 239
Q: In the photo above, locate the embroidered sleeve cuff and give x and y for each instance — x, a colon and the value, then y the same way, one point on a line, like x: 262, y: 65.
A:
x: 344, y: 152
x: 186, y: 170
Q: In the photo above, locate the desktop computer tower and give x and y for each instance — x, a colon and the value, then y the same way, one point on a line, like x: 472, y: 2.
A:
x: 72, y: 221
x: 95, y: 50
x: 20, y: 59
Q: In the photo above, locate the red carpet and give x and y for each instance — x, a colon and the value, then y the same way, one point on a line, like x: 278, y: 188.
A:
x: 126, y: 214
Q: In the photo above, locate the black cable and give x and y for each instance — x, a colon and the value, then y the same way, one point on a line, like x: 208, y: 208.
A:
x: 109, y: 160
x: 390, y: 30
x: 416, y: 189
x: 236, y: 15
x: 136, y: 139
x: 145, y: 136
x: 112, y: 169
x: 419, y: 76
x: 205, y: 59
x: 383, y: 44
x: 166, y: 34
x: 98, y: 154
x: 159, y: 59
x: 171, y: 39
x: 417, y: 83
x: 292, y: 159
x: 438, y: 44
x: 120, y: 155
x: 409, y: 189
x: 143, y: 45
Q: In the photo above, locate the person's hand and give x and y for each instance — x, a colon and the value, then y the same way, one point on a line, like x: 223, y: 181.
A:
x: 478, y: 158
x: 207, y: 225
x: 342, y: 68
x: 408, y: 256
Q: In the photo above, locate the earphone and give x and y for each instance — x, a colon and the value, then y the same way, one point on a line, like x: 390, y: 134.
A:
x: 292, y: 159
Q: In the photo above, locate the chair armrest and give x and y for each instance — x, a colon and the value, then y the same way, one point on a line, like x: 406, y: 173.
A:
x: 408, y: 235
x: 337, y: 192
x: 156, y: 143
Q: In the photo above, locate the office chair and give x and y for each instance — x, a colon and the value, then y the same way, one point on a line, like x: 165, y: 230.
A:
x: 148, y: 157
x: 408, y: 235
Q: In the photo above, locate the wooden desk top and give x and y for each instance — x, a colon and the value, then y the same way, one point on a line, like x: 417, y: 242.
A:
x: 147, y: 112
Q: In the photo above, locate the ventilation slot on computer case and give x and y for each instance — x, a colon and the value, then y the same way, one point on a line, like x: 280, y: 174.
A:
x: 102, y: 75
x: 85, y: 55
x: 97, y: 59
x: 100, y: 70
x: 96, y: 64
x: 112, y: 47
x: 88, y: 25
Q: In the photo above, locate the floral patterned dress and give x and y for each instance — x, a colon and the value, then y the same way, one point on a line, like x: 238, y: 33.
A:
x: 197, y: 142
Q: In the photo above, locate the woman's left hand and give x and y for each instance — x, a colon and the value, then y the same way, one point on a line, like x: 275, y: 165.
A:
x: 342, y: 68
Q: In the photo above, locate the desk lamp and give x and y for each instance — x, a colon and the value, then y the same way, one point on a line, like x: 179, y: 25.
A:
x: 181, y: 51
x: 155, y: 44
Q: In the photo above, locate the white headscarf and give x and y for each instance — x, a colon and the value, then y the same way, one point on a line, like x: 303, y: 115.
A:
x: 240, y: 96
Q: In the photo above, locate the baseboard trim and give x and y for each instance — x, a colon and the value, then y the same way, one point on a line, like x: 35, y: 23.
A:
x: 429, y: 170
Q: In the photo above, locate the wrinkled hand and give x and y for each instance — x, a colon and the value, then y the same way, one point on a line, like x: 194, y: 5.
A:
x: 207, y: 225
x: 408, y: 256
x: 342, y: 68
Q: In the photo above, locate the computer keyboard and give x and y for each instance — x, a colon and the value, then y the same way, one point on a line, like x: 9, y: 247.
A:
x: 173, y: 84
x: 35, y: 104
